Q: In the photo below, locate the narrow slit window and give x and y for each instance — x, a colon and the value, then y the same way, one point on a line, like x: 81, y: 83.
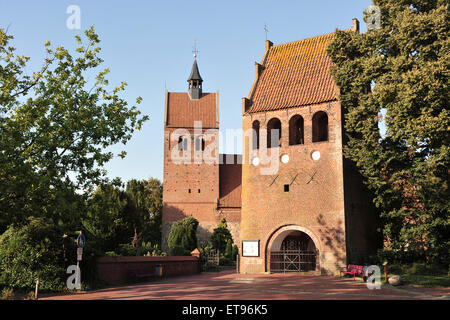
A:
x: 255, y: 141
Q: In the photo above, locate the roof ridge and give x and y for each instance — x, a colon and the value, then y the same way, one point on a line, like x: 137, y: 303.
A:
x: 184, y: 92
x: 302, y: 40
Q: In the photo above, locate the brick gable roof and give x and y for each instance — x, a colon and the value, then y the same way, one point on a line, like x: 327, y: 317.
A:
x: 294, y: 74
x: 181, y: 111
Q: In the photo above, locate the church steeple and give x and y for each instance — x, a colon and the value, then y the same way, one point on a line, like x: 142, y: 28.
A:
x: 195, y: 81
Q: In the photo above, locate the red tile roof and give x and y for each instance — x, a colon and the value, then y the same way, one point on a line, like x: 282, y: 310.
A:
x: 182, y: 111
x: 294, y: 74
x: 230, y: 180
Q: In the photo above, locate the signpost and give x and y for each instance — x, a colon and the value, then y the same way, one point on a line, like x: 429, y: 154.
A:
x: 79, y: 254
x: 81, y: 240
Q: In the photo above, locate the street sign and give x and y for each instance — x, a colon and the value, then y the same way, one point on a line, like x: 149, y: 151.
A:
x: 81, y: 240
x: 79, y: 257
x: 79, y: 251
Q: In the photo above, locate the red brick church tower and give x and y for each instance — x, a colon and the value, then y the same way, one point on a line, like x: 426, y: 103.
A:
x: 195, y: 182
x: 311, y: 212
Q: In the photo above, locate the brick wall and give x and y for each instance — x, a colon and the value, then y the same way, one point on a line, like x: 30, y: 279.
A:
x: 315, y: 200
x: 115, y: 270
x: 189, y: 189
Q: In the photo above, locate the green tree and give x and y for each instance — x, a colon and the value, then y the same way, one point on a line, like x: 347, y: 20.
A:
x: 32, y: 251
x: 117, y: 218
x: 55, y: 128
x: 183, y: 234
x: 221, y: 235
x: 229, y: 249
x: 401, y: 70
x: 145, y: 197
x: 107, y: 220
x: 235, y: 252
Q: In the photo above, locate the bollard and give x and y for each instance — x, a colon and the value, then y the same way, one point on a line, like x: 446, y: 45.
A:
x: 36, y: 290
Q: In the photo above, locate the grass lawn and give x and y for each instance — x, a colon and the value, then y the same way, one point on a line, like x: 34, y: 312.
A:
x: 420, y: 274
x: 424, y: 280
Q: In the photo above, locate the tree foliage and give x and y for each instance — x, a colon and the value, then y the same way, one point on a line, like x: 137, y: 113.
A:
x: 221, y: 236
x: 115, y: 216
x: 401, y: 69
x: 106, y: 221
x: 55, y: 128
x: 29, y: 252
x: 145, y: 197
x: 183, y: 234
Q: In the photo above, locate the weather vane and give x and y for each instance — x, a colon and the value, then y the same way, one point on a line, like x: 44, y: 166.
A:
x: 265, y: 29
x: 194, y: 49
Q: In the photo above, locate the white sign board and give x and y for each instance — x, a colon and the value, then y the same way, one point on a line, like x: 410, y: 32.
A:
x: 250, y: 248
x: 79, y: 251
x: 79, y: 257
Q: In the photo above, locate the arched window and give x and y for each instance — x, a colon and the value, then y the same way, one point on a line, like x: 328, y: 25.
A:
x: 275, y: 125
x: 255, y: 140
x: 199, y: 144
x: 296, y: 131
x: 182, y: 143
x: 320, y: 127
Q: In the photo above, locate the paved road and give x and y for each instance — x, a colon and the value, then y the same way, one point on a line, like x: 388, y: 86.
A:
x: 232, y: 286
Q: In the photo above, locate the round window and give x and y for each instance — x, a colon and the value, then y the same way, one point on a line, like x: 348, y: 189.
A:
x: 255, y: 161
x: 315, y: 155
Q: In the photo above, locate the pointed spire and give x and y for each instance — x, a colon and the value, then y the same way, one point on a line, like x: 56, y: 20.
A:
x: 195, y: 74
x: 195, y: 81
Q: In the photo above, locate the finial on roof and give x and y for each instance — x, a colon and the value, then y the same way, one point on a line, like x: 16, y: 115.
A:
x: 194, y: 49
x: 266, y: 30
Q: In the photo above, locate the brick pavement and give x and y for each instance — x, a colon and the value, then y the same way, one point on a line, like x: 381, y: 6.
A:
x: 231, y: 286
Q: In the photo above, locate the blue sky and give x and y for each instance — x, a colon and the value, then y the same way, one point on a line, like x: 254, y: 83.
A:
x: 148, y: 44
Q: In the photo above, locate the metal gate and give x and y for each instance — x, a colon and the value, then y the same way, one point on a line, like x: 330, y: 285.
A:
x: 293, y: 261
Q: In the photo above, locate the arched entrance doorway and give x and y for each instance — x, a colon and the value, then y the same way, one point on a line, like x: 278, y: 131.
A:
x: 292, y: 250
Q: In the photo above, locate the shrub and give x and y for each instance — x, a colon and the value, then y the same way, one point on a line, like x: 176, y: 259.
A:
x: 145, y: 249
x: 183, y: 234
x: 225, y: 261
x: 221, y: 235
x: 205, y: 251
x: 7, y: 294
x: 111, y: 254
x: 126, y: 250
x: 179, y: 251
x: 30, y: 296
x: 235, y: 252
x: 29, y: 252
x: 229, y: 250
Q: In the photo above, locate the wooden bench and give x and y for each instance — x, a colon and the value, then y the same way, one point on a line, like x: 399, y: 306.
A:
x: 355, y: 270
